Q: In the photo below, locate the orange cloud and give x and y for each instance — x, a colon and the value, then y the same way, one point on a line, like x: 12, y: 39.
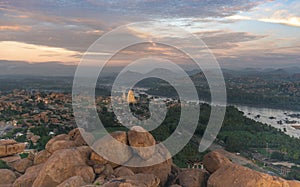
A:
x: 14, y: 28
x: 18, y: 51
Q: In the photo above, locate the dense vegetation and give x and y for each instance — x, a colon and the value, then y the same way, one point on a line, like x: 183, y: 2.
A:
x: 41, y: 130
x: 238, y: 134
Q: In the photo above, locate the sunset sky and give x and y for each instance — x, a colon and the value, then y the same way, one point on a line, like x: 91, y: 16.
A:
x: 241, y: 33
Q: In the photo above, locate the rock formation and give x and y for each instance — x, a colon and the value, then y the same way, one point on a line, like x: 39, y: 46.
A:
x: 7, y: 177
x: 10, y: 147
x: 67, y: 161
x: 227, y: 174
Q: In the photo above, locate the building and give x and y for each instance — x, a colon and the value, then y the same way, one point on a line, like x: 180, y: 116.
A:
x: 130, y: 97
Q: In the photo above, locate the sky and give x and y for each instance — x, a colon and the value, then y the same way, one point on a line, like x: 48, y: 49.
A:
x: 239, y: 33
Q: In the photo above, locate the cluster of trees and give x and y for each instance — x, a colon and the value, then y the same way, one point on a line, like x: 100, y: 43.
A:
x: 41, y: 130
x: 238, y: 134
x: 264, y: 99
x: 294, y: 174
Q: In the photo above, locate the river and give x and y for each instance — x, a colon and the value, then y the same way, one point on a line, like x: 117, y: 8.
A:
x: 279, y: 119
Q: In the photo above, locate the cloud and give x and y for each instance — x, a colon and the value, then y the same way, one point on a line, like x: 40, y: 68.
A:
x: 76, y: 24
x: 178, y: 8
x: 67, y: 28
x: 14, y: 28
x: 283, y: 17
x: 17, y: 51
x: 225, y: 40
x: 285, y: 13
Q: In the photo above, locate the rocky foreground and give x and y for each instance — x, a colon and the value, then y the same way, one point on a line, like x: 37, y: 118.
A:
x: 67, y: 161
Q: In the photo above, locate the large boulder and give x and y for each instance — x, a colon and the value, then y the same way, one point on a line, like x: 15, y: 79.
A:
x: 41, y: 157
x: 59, y: 142
x: 10, y: 159
x: 21, y: 165
x: 114, y: 146
x: 10, y: 147
x: 233, y: 175
x: 142, y: 142
x: 161, y: 170
x: 62, y: 165
x: 193, y: 178
x: 85, y: 152
x: 213, y: 161
x: 86, y: 172
x: 75, y: 181
x: 138, y: 180
x: 29, y: 177
x: 7, y: 177
x: 293, y: 183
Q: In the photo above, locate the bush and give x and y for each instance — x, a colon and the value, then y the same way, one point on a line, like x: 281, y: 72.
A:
x: 24, y: 155
x: 3, y: 165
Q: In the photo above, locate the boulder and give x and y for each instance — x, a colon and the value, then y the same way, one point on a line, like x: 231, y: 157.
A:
x: 213, y: 161
x: 85, y: 152
x: 293, y: 183
x: 139, y: 180
x: 7, y: 177
x: 77, y: 136
x: 86, y: 172
x: 49, y: 145
x: 123, y: 171
x: 29, y: 177
x: 193, y: 178
x: 15, y: 148
x: 10, y: 147
x: 7, y: 142
x: 142, y: 142
x: 10, y: 159
x: 21, y: 165
x: 233, y: 175
x: 62, y: 165
x: 114, y: 146
x: 60, y: 144
x: 73, y: 134
x: 97, y: 159
x: 108, y: 171
x: 161, y: 170
x: 3, y: 150
x: 41, y: 157
x: 75, y: 181
x: 5, y: 185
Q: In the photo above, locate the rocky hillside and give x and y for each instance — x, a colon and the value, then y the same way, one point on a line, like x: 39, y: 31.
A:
x: 67, y: 161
